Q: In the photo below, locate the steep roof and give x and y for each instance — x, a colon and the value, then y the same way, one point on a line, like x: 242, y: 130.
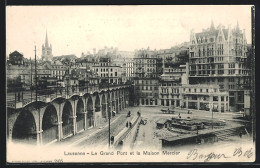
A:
x: 206, y: 33
x: 15, y: 53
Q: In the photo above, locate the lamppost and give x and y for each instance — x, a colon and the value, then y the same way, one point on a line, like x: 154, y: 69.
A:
x: 109, y: 110
x: 31, y: 78
x: 35, y: 76
x: 109, y: 117
x: 211, y: 106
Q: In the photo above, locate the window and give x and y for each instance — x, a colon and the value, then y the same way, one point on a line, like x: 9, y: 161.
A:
x: 215, y: 98
x: 231, y: 79
x: 231, y: 86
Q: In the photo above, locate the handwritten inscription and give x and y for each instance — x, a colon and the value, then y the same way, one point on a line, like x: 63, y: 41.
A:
x: 193, y: 154
x: 239, y: 152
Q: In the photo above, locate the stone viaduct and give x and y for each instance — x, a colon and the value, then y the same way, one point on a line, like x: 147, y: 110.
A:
x: 44, y: 122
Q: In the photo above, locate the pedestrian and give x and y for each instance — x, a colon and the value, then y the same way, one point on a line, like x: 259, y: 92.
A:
x: 130, y: 124
x: 127, y: 124
x: 112, y: 139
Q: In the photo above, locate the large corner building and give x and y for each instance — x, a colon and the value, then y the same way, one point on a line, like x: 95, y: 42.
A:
x: 218, y: 56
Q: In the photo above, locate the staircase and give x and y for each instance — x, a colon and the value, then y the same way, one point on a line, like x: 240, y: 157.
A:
x: 227, y: 133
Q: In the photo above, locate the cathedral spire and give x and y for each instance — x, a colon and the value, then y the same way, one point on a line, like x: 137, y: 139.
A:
x: 212, y: 27
x: 46, y: 40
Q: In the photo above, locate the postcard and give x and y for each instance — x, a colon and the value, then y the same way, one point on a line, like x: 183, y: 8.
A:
x: 130, y: 83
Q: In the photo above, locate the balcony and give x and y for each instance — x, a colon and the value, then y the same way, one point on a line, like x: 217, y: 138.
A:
x: 175, y: 94
x: 164, y: 94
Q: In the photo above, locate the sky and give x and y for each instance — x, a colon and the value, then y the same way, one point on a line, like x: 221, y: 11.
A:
x: 77, y: 29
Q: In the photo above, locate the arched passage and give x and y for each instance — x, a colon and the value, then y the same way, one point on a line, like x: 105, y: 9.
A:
x: 108, y: 103
x: 90, y: 111
x: 80, y: 115
x: 120, y: 103
x: 113, y: 105
x: 113, y: 101
x: 97, y: 103
x: 49, y: 125
x: 98, y: 113
x: 67, y: 120
x: 117, y: 101
x: 103, y: 106
x: 24, y: 130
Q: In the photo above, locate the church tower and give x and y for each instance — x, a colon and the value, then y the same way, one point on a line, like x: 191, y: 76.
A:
x: 46, y: 50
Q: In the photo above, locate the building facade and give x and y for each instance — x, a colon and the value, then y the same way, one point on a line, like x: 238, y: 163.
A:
x: 107, y: 72
x: 198, y: 97
x: 218, y: 56
x: 146, y: 80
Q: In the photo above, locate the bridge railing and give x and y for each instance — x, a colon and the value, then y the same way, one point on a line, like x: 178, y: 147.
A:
x: 25, y: 97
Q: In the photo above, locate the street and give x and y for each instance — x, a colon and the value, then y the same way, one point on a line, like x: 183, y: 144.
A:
x: 148, y: 135
x: 98, y: 136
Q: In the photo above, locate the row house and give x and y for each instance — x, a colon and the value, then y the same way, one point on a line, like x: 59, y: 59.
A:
x: 198, y: 97
x: 108, y: 72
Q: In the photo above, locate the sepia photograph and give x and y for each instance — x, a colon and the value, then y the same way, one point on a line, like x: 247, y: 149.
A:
x: 130, y: 83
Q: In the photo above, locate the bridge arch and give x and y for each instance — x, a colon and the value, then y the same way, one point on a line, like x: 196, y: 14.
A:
x: 24, y: 129
x: 50, y: 124
x: 103, y: 106
x: 97, y: 102
x: 98, y: 114
x: 109, y: 102
x: 67, y: 119
x: 113, y: 99
x: 89, y: 111
x: 80, y: 115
